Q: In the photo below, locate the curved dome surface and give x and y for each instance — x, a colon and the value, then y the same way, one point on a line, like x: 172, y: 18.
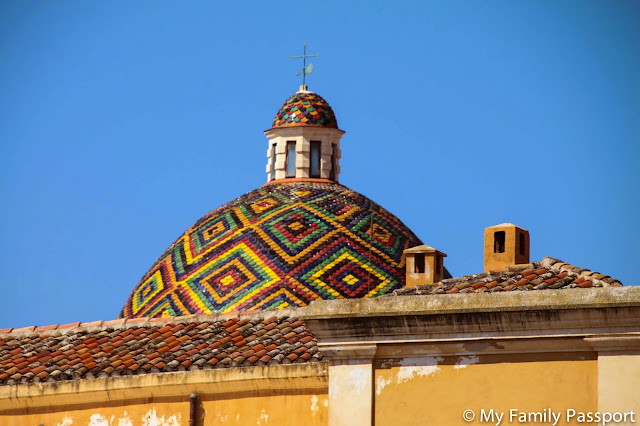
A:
x: 280, y: 245
x: 305, y: 109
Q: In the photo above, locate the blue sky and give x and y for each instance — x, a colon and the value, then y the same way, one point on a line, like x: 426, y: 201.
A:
x: 122, y: 123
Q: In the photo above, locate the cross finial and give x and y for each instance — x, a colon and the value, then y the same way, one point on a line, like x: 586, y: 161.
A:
x: 305, y: 70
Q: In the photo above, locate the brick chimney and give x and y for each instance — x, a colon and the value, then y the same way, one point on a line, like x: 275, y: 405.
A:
x: 505, y: 245
x: 425, y: 265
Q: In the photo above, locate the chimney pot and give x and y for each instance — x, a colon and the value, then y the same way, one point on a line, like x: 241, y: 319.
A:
x: 424, y: 265
x: 505, y: 245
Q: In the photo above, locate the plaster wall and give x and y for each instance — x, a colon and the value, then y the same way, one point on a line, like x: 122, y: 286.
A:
x: 277, y: 395
x: 355, y: 380
x: 243, y: 408
x: 309, y: 409
x: 618, y: 378
x: 174, y: 412
x: 437, y: 390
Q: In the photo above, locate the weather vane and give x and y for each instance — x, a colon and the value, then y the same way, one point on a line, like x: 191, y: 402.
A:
x: 305, y: 69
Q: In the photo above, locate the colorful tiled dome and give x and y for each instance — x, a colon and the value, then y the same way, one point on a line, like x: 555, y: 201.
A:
x: 305, y: 109
x: 280, y: 245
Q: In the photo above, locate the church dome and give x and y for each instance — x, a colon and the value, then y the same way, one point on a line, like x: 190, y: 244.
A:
x: 284, y: 244
x: 305, y: 108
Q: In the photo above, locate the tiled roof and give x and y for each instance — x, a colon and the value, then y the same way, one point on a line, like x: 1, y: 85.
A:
x: 305, y: 109
x: 157, y: 345
x: 140, y: 346
x: 549, y: 273
x: 281, y: 245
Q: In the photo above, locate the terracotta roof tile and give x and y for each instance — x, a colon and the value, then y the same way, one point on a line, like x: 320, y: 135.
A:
x: 140, y: 346
x: 548, y: 274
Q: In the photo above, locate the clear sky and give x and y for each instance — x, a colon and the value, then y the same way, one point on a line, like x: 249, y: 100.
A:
x: 122, y: 123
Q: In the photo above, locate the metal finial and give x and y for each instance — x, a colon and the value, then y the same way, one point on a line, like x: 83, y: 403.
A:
x: 305, y: 69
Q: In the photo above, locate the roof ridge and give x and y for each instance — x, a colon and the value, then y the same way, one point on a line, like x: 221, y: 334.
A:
x: 553, y: 264
x: 513, y: 274
x: 558, y: 266
x: 124, y: 323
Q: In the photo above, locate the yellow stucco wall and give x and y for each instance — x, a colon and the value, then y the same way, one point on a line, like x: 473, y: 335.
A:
x: 437, y: 390
x: 279, y: 395
x: 165, y: 413
x: 260, y: 409
x: 300, y: 409
x: 618, y: 380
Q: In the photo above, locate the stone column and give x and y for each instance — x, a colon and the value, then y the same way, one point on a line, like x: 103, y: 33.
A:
x: 281, y: 159
x: 351, y: 384
x: 302, y: 157
x: 325, y: 160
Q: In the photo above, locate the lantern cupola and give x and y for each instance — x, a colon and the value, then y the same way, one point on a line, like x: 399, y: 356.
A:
x: 304, y: 141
